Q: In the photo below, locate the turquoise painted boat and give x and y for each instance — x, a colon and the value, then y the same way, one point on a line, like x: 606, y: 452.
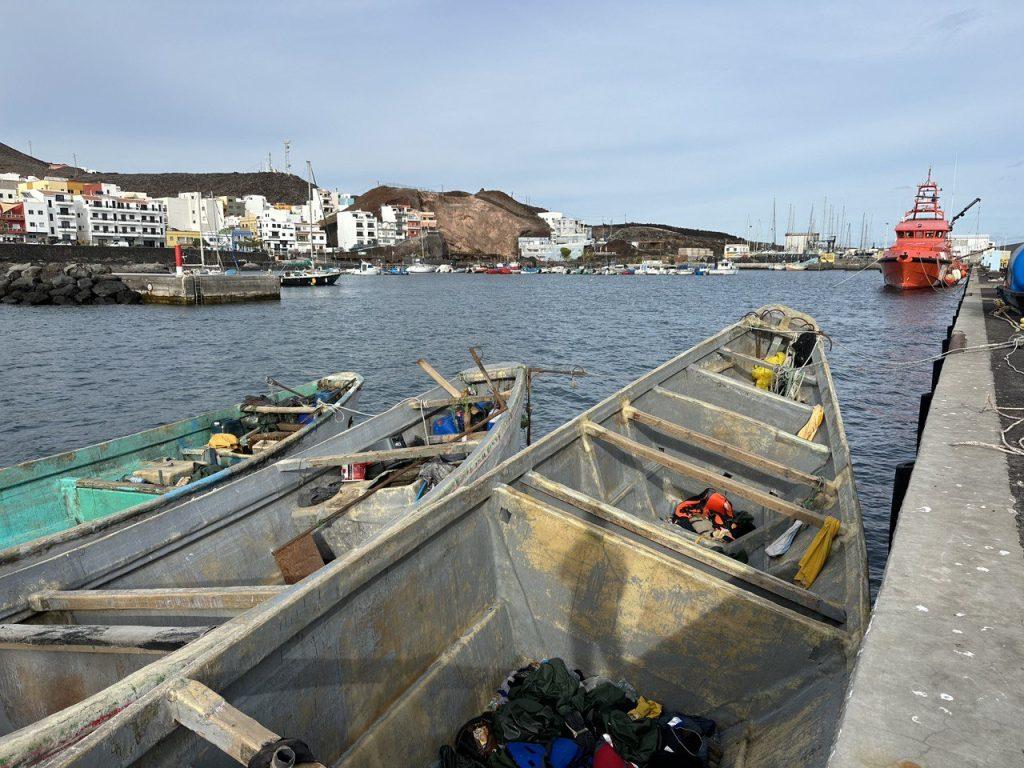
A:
x: 109, y: 481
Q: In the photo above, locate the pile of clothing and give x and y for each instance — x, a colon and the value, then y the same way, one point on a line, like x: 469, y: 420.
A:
x: 546, y: 716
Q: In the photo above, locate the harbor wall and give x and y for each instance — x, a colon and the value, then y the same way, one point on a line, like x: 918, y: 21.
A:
x: 939, y: 680
x: 203, y: 289
x: 154, y: 259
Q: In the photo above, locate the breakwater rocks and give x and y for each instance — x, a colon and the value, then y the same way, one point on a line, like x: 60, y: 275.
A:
x: 64, y: 284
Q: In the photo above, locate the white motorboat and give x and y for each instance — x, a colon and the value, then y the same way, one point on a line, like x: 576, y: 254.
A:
x: 419, y: 268
x: 723, y: 268
x: 365, y: 268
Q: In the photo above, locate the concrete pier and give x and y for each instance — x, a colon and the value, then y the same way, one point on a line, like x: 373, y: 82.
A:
x: 940, y: 677
x: 203, y: 289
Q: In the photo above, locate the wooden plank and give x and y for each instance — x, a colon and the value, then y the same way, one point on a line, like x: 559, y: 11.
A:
x: 446, y: 385
x: 707, y: 477
x: 370, y: 457
x: 680, y: 544
x: 433, y: 405
x: 233, y: 732
x: 121, y: 485
x: 200, y: 598
x: 487, y: 377
x: 97, y: 638
x: 727, y: 450
x: 281, y: 408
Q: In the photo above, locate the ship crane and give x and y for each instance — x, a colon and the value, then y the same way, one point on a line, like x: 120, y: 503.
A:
x: 970, y: 205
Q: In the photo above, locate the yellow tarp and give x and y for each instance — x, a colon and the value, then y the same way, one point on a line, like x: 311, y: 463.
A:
x: 763, y: 376
x: 223, y: 440
x: 817, y: 553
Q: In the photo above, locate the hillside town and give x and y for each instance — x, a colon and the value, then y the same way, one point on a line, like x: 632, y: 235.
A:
x: 56, y: 210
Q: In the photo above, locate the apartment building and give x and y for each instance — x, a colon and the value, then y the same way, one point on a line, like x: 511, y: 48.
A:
x: 191, y: 211
x: 128, y: 218
x: 356, y: 229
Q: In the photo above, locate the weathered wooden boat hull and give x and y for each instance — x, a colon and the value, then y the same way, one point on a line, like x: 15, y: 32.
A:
x: 563, y: 550
x: 41, y: 497
x: 222, y: 539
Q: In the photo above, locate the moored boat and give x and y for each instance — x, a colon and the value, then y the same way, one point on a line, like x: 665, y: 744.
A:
x: 153, y: 468
x: 365, y: 269
x: 571, y: 549
x: 302, y: 278
x: 722, y: 268
x: 194, y: 565
x: 921, y: 256
x: 419, y: 268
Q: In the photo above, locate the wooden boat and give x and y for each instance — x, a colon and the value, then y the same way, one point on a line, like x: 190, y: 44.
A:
x: 566, y: 549
x: 309, y: 277
x: 150, y: 469
x: 163, y: 579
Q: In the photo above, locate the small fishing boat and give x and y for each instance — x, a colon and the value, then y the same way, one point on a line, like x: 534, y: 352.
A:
x: 722, y: 268
x: 309, y: 277
x: 365, y: 269
x: 921, y: 255
x: 196, y: 564
x: 150, y: 469
x: 568, y: 549
x: 397, y: 270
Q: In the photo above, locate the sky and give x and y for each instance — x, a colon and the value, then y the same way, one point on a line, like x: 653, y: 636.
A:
x: 691, y: 114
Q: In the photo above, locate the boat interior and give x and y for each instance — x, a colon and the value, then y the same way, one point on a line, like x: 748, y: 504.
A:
x: 131, y: 594
x: 55, y: 493
x: 567, y: 549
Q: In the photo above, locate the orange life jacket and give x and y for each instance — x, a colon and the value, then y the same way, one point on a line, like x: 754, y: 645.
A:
x: 710, y: 504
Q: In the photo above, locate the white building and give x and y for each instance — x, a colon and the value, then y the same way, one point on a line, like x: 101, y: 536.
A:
x: 191, y: 212
x: 962, y: 245
x: 566, y: 232
x: 276, y: 231
x: 387, y: 231
x: 356, y: 229
x: 736, y: 250
x: 37, y: 227
x: 130, y: 218
x: 802, y: 242
x: 61, y: 223
x: 9, y: 188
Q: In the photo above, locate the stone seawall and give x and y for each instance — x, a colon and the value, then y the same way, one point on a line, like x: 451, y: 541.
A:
x: 118, y: 259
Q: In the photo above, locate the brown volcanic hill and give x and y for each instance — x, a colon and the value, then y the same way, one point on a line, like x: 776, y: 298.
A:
x: 276, y: 187
x: 662, y: 238
x: 488, y: 223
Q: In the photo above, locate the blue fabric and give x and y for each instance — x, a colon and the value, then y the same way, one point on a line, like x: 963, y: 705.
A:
x: 526, y: 755
x: 563, y: 752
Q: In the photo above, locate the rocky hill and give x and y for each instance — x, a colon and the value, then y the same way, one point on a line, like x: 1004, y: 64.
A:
x: 661, y: 239
x: 488, y: 223
x: 276, y: 187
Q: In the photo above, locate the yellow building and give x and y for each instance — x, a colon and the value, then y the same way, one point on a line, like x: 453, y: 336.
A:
x: 182, y: 237
x: 48, y: 184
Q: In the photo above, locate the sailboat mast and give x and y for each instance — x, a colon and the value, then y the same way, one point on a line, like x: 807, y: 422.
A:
x: 202, y: 252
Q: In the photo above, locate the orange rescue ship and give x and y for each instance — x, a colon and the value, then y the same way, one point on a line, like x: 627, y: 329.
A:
x: 921, y: 257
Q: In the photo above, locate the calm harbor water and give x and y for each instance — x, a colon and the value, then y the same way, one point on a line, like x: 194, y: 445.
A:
x: 72, y: 376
